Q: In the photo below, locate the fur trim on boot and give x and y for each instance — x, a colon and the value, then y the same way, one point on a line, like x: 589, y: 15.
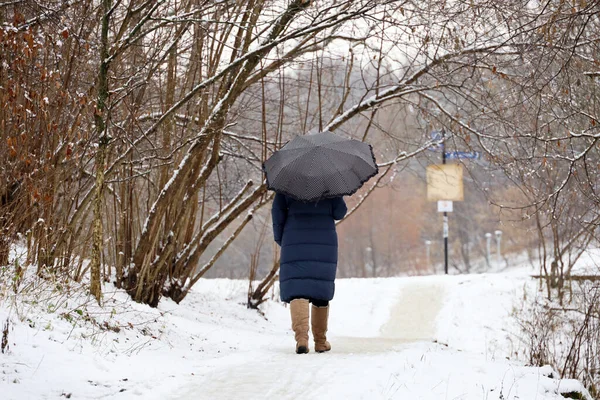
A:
x: 299, y: 311
x: 319, y: 317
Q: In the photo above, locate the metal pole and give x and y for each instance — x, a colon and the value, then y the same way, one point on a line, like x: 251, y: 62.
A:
x: 445, y: 227
x: 498, y: 249
x: 498, y: 238
x: 446, y: 243
x: 488, y: 239
x: 428, y: 252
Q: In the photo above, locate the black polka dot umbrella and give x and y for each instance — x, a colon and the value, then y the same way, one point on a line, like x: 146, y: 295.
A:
x: 320, y: 166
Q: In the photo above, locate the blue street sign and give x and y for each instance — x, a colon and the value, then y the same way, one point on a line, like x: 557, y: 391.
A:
x: 436, y: 136
x: 455, y: 155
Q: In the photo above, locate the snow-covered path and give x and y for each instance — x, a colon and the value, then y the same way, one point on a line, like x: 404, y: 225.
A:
x: 430, y: 338
x: 385, y: 347
x: 277, y: 373
x: 414, y: 315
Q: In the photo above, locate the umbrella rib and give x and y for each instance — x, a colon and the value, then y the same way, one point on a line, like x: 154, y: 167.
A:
x: 338, y: 171
x: 290, y: 162
x: 353, y: 155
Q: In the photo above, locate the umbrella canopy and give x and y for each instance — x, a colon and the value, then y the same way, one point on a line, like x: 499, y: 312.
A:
x: 320, y: 166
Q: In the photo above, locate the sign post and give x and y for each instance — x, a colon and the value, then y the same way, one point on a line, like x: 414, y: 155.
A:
x: 445, y: 228
x: 488, y: 241
x: 498, y: 238
x: 445, y: 183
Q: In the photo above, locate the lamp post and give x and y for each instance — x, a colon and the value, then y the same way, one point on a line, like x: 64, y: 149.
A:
x: 498, y: 239
x: 428, y: 252
x: 369, y: 261
x: 488, y: 240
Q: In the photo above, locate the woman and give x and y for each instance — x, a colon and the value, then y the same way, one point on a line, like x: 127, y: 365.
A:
x: 309, y: 249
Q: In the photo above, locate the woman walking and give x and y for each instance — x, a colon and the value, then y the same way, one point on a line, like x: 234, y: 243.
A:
x: 309, y: 175
x: 309, y: 252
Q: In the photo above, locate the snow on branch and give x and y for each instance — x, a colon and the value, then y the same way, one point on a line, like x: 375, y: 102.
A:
x: 397, y: 90
x: 209, y: 234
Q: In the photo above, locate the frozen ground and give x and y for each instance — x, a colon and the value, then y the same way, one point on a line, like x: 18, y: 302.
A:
x: 436, y: 337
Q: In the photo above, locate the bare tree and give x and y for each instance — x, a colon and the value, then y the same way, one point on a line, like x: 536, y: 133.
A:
x: 160, y: 140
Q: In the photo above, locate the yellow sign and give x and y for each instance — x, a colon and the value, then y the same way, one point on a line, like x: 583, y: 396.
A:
x: 445, y: 182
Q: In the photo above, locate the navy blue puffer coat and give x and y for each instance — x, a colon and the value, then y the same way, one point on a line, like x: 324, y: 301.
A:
x: 309, y: 246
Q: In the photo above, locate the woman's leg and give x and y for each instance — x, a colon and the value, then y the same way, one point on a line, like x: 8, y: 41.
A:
x: 319, y: 320
x: 319, y: 303
x: 299, y: 310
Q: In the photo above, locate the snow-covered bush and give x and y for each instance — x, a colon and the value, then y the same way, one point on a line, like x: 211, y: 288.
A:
x: 566, y: 337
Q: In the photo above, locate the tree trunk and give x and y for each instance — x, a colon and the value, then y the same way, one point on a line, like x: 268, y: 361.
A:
x: 95, y: 287
x: 258, y: 296
x: 103, y: 140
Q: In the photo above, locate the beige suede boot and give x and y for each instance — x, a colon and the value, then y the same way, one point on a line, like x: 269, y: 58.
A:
x: 299, y: 312
x: 319, y: 317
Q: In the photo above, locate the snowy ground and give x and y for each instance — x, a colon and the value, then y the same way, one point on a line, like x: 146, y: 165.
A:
x: 435, y: 337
